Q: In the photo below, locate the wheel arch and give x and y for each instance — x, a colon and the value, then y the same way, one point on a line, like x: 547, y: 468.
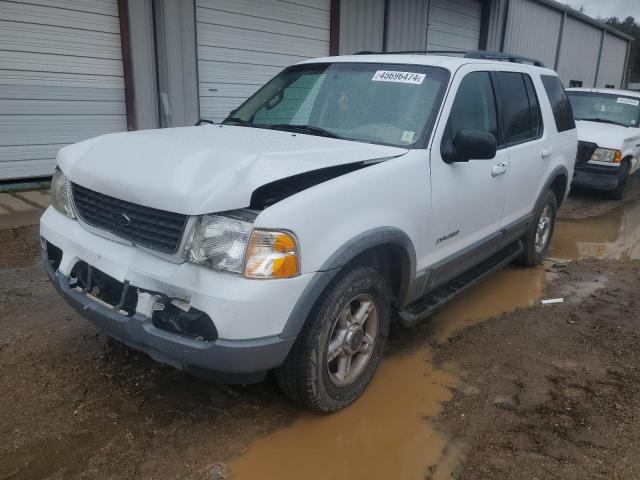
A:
x: 388, y: 248
x: 558, y: 183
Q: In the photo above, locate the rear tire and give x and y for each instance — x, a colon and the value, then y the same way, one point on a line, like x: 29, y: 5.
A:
x: 538, y: 238
x: 351, y: 320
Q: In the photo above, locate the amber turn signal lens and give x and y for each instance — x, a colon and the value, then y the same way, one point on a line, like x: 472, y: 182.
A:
x: 617, y: 157
x: 271, y: 254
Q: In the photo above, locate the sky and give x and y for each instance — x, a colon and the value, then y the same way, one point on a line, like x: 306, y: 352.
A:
x: 608, y: 8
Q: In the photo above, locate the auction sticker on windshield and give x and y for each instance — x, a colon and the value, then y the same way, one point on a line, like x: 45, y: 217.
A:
x: 629, y: 101
x: 402, y: 77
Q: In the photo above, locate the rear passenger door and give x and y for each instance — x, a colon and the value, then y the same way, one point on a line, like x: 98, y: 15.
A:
x: 522, y: 138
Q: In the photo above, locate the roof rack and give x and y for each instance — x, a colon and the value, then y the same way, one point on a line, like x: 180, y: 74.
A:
x: 478, y: 54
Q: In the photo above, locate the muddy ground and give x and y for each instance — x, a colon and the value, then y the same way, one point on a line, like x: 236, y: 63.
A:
x: 544, y: 392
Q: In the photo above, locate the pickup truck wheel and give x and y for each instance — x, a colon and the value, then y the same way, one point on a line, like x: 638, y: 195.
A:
x: 618, y: 192
x: 537, y: 239
x: 339, y: 348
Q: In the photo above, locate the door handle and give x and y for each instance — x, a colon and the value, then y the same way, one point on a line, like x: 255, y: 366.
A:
x: 499, y: 169
x: 546, y: 152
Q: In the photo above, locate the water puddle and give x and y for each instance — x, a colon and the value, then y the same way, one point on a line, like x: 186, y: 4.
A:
x: 387, y: 433
x: 503, y: 292
x: 383, y: 435
x: 613, y: 236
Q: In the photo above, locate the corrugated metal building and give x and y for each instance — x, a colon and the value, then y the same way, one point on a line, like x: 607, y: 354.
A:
x: 73, y: 69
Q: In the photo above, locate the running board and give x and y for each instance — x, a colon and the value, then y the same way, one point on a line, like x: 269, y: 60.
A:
x: 425, y: 306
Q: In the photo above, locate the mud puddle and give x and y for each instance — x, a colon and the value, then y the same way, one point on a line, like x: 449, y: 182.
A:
x: 612, y: 236
x: 388, y: 433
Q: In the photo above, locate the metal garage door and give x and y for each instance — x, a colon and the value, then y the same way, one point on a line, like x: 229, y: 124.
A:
x: 454, y: 24
x: 243, y: 43
x: 61, y: 79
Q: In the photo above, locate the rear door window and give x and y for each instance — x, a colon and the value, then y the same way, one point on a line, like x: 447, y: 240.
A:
x: 516, y: 110
x: 560, y: 105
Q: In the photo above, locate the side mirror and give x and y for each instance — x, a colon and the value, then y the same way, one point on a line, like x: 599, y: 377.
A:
x: 469, y: 145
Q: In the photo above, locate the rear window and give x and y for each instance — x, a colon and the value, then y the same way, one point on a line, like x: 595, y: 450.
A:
x: 560, y: 105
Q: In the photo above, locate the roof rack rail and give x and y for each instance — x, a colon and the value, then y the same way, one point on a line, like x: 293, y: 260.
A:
x: 478, y: 54
x: 504, y: 57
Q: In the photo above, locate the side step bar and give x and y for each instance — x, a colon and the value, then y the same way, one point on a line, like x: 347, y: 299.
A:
x: 425, y: 306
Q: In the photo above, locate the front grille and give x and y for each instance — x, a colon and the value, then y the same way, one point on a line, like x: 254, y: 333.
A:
x: 148, y: 227
x: 585, y: 150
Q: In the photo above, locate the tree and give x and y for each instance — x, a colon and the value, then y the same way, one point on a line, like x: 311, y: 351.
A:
x: 631, y: 28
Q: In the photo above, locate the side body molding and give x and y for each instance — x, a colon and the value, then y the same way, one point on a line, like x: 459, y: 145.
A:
x: 348, y: 251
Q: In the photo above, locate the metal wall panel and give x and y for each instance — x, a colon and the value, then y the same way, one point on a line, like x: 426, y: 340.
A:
x: 454, y: 25
x: 612, y: 60
x: 177, y: 62
x: 361, y: 26
x: 533, y: 30
x: 407, y: 29
x: 579, y: 52
x: 243, y: 43
x: 61, y: 80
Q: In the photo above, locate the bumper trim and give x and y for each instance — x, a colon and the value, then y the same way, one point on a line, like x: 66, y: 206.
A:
x: 227, y: 361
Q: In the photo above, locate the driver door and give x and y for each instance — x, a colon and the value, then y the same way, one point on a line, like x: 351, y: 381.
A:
x: 468, y: 197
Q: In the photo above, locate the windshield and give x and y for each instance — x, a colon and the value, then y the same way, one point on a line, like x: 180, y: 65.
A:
x: 390, y: 104
x: 605, y: 108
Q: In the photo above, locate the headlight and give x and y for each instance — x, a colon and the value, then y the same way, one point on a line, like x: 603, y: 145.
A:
x: 606, y: 155
x: 219, y: 242
x: 229, y: 243
x: 61, y: 193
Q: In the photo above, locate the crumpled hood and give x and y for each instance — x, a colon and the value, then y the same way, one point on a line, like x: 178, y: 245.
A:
x: 206, y: 169
x: 605, y: 135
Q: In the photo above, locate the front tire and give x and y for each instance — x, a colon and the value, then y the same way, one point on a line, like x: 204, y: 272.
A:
x: 538, y: 238
x: 341, y: 344
x: 618, y: 192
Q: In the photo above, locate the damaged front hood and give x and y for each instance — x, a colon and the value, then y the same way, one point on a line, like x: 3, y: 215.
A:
x: 197, y: 170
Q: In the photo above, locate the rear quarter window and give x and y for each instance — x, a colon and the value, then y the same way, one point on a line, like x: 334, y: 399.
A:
x: 559, y: 101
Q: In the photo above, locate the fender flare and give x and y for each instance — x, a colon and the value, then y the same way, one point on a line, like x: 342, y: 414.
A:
x: 341, y: 257
x: 555, y: 173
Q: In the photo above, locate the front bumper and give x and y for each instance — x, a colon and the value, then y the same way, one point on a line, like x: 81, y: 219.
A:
x: 597, y: 176
x: 249, y: 315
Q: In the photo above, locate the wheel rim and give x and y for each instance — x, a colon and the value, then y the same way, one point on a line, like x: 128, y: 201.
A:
x: 543, y: 230
x: 352, y: 340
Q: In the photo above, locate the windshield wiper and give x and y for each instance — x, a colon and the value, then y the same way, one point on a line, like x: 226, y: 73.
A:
x: 310, y: 129
x: 603, y: 120
x: 239, y: 120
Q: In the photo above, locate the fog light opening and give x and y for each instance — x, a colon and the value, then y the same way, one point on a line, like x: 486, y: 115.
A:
x: 193, y: 323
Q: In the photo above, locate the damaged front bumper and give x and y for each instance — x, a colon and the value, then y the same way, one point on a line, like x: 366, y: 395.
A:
x: 248, y: 316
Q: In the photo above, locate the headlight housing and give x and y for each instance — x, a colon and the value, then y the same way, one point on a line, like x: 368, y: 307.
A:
x: 219, y: 242
x: 229, y: 243
x: 606, y: 155
x: 61, y: 193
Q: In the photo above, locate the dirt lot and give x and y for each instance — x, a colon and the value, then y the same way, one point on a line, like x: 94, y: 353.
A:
x: 544, y: 392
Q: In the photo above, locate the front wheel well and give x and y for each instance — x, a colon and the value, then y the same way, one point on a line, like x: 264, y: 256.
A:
x: 393, y: 263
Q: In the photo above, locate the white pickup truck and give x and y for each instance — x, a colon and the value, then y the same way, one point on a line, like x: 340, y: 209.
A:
x: 608, y: 123
x: 346, y: 190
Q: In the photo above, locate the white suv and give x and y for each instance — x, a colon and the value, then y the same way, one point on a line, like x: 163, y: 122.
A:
x: 344, y: 191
